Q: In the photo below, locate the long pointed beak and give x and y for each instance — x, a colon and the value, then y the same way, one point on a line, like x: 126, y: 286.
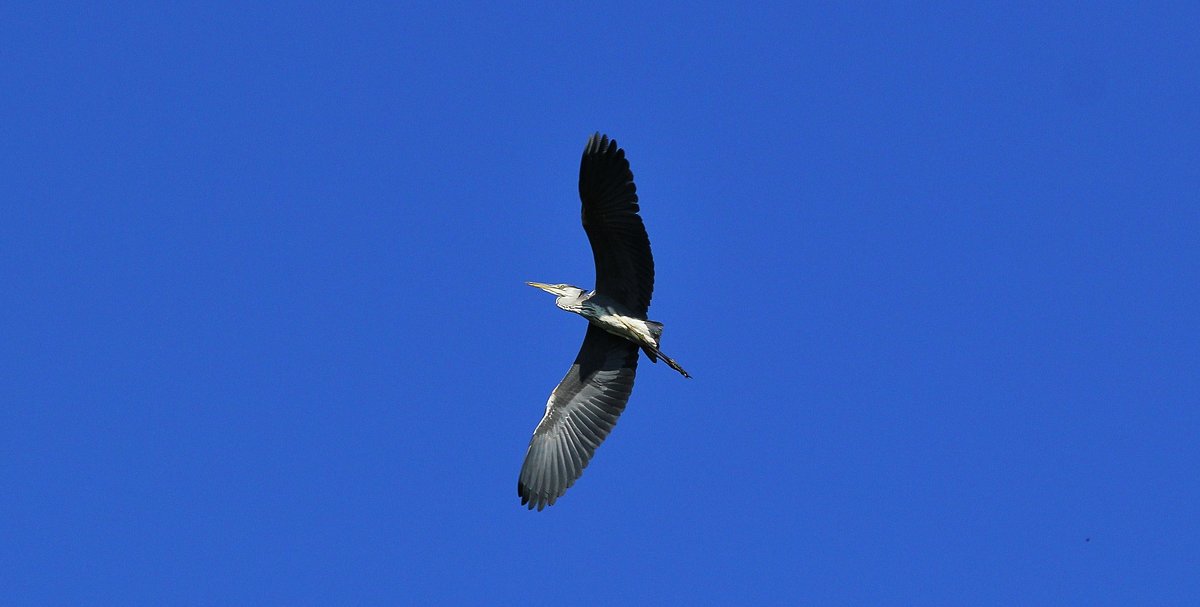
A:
x: 541, y: 285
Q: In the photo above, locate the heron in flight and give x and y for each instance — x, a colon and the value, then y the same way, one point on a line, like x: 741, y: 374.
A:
x: 584, y: 407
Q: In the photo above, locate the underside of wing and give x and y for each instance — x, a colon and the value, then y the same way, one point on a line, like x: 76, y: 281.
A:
x: 624, y: 265
x: 581, y: 412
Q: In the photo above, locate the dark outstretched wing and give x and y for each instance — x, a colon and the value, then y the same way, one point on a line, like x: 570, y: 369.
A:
x: 624, y: 266
x: 581, y: 412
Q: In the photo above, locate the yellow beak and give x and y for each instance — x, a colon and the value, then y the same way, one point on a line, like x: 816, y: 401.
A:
x: 543, y: 286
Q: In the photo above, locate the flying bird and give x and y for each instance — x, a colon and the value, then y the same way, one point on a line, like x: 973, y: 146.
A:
x: 584, y: 407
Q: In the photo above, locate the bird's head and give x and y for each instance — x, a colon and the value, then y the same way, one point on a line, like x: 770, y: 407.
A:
x: 563, y: 290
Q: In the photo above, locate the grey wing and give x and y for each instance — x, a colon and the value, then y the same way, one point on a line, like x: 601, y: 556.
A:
x: 620, y: 246
x: 581, y: 412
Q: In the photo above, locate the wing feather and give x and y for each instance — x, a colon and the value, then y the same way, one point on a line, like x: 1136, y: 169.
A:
x: 620, y: 246
x: 580, y: 414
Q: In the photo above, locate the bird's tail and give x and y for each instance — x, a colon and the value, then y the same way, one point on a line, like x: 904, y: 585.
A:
x: 652, y: 351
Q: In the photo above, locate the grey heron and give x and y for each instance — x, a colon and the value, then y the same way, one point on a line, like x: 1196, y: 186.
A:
x: 584, y: 407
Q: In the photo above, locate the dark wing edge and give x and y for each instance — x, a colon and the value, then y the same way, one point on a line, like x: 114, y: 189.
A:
x: 620, y: 246
x: 580, y: 414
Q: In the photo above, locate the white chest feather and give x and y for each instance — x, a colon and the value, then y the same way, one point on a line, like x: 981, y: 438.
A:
x: 634, y: 329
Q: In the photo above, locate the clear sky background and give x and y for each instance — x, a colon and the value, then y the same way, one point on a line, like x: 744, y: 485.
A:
x: 265, y: 341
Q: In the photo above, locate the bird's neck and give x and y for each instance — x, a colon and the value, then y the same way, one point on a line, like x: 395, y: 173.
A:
x: 578, y: 304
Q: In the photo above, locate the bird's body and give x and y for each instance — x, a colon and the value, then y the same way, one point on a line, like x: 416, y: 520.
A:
x: 612, y: 317
x: 584, y: 407
x: 608, y: 314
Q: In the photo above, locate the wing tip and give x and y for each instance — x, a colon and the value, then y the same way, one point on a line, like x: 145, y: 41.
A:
x: 601, y: 144
x: 533, y: 499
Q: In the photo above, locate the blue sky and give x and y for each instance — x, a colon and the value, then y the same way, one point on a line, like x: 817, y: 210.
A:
x: 935, y: 269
